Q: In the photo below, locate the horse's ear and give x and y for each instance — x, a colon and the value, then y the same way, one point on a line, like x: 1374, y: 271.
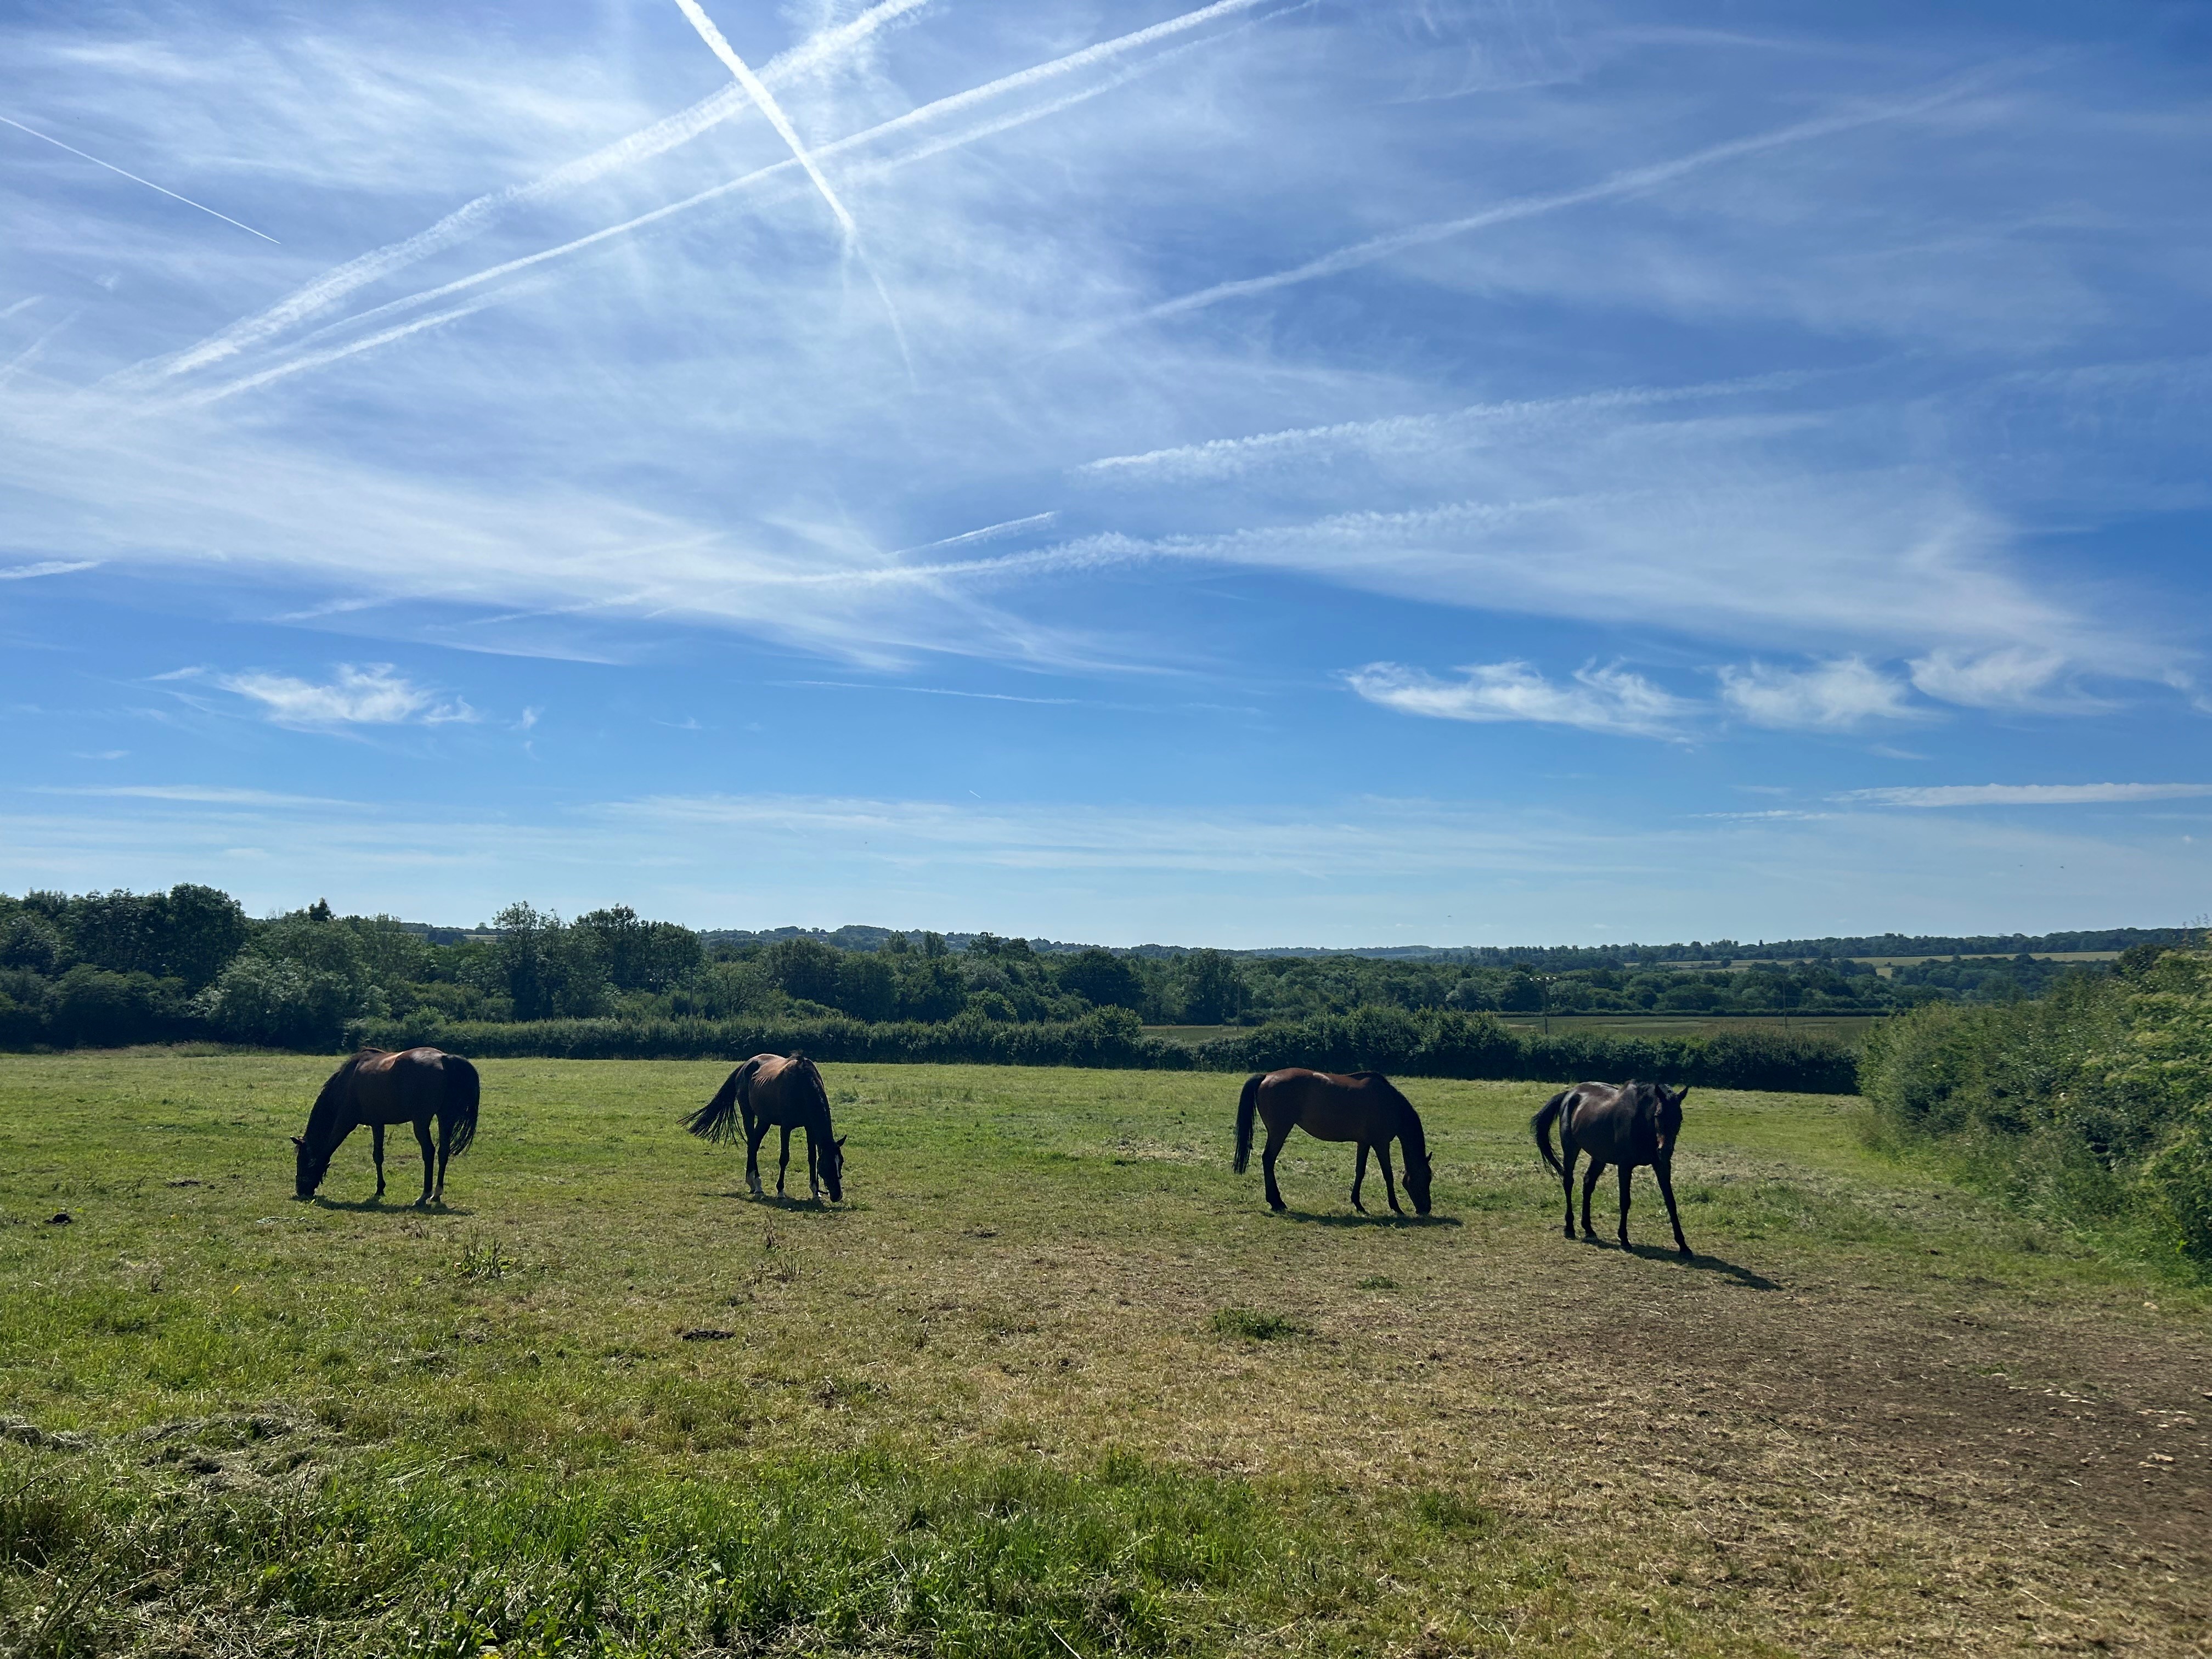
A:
x: 296, y: 1141
x: 840, y: 1143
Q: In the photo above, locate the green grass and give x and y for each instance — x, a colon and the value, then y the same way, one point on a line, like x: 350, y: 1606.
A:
x: 1053, y: 1380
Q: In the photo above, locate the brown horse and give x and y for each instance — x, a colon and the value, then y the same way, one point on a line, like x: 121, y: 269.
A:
x: 774, y: 1092
x: 1364, y: 1107
x: 1635, y: 1123
x: 377, y: 1087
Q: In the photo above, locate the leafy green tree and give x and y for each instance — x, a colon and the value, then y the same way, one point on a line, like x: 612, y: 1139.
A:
x: 1101, y: 978
x: 867, y: 989
x: 642, y: 956
x: 1213, y: 992
x: 806, y: 968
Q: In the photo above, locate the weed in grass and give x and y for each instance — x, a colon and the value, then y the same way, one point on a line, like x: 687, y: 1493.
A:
x: 1378, y: 1282
x: 1255, y: 1325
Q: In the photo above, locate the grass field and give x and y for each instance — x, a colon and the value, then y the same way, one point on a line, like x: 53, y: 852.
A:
x: 1053, y: 1382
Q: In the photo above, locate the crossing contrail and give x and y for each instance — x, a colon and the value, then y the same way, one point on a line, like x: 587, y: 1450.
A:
x: 136, y: 180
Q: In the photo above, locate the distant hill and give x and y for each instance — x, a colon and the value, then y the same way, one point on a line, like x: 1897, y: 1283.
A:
x: 862, y: 937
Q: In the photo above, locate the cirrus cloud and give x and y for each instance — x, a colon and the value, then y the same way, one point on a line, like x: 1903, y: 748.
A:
x: 2027, y: 794
x: 1599, y: 700
x: 1841, y: 693
x: 378, y: 695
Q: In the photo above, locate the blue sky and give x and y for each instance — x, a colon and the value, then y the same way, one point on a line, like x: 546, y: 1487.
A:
x: 1262, y: 473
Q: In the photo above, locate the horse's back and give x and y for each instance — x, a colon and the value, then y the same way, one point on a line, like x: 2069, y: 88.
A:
x: 1327, y: 1105
x: 1611, y: 1120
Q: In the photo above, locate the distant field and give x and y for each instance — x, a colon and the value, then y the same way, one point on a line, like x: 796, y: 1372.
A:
x: 1849, y: 1027
x: 1053, y: 1381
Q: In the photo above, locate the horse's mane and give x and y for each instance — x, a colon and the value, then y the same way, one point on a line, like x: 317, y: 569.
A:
x: 1410, y: 1133
x: 322, y: 1136
x: 812, y: 1074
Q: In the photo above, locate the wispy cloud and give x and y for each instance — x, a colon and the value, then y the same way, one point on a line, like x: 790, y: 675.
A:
x: 2027, y: 794
x: 197, y: 794
x: 21, y: 573
x: 475, y: 218
x: 377, y: 694
x: 1848, y: 691
x: 2016, y: 677
x: 1630, y: 182
x: 1597, y: 700
x: 866, y: 146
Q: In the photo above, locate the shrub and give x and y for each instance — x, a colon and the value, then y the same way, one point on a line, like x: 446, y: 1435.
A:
x: 2093, y: 1105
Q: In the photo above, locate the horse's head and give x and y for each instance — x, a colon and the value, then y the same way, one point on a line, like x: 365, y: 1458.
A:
x: 1667, y: 1119
x: 1417, y: 1176
x: 832, y: 1169
x: 309, y: 1168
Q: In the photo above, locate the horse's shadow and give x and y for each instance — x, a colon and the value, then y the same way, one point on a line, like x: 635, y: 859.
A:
x: 405, y: 1206
x: 1339, y: 1218
x: 1702, y: 1263
x: 779, y: 1201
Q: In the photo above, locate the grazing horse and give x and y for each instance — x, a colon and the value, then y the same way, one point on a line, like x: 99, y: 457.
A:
x: 1364, y: 1107
x: 774, y: 1092
x: 377, y: 1087
x: 1635, y: 1123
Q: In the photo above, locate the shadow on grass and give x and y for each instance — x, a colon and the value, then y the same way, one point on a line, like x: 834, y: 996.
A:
x: 1384, y: 1218
x: 778, y: 1202
x: 386, y: 1206
x: 1702, y: 1263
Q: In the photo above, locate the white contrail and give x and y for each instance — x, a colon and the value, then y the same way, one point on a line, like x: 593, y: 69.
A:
x: 473, y: 217
x: 954, y: 103
x: 762, y: 96
x: 766, y: 100
x: 318, y: 359
x: 1219, y: 456
x: 1628, y: 183
x: 136, y: 180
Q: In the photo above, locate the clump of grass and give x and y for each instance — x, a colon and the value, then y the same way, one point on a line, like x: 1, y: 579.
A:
x: 1378, y: 1282
x: 1255, y: 1325
x: 862, y: 1552
x: 485, y: 1261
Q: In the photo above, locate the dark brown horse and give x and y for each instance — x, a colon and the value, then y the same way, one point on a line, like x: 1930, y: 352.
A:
x: 1364, y: 1107
x: 773, y: 1092
x: 377, y: 1087
x: 1635, y: 1123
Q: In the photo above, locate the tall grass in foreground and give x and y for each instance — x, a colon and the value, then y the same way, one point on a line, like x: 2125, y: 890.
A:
x: 862, y: 1552
x: 2093, y: 1107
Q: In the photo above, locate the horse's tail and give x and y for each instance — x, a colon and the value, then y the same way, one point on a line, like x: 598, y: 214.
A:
x: 1540, y: 1126
x: 1248, y: 1107
x: 712, y: 1121
x: 463, y: 1093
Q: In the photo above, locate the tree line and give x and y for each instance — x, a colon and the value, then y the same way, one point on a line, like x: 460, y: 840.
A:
x: 104, y: 968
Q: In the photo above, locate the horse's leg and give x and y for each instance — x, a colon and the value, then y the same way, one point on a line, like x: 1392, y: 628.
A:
x: 1568, y: 1153
x: 1360, y: 1174
x: 813, y: 1168
x: 429, y: 1159
x: 1389, y: 1184
x: 1275, y: 1140
x: 445, y: 1151
x: 379, y: 1131
x: 754, y: 1133
x: 784, y: 1162
x: 1628, y: 1179
x: 1589, y: 1185
x: 1664, y: 1168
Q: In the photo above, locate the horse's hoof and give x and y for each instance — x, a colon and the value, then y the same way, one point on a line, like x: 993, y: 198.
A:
x: 1685, y: 1253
